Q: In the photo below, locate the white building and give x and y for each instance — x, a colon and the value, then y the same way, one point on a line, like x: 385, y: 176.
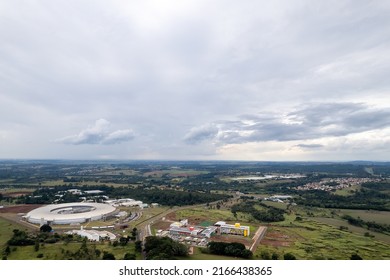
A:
x: 93, y: 235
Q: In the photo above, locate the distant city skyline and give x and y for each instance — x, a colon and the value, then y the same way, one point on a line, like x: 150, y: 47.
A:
x: 195, y: 80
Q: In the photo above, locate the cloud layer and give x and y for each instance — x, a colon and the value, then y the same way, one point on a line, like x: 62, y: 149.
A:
x: 310, y: 122
x: 99, y: 133
x: 265, y: 80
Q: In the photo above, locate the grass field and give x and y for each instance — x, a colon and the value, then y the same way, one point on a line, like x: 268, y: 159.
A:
x: 278, y: 205
x: 148, y: 213
x: 347, y: 191
x: 354, y: 229
x: 6, y: 231
x: 382, y: 217
x: 323, y: 241
x: 52, y: 251
x: 311, y: 239
x: 56, y: 251
x: 204, y: 214
x: 198, y: 255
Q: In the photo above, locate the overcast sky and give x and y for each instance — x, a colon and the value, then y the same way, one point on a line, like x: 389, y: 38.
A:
x: 209, y: 80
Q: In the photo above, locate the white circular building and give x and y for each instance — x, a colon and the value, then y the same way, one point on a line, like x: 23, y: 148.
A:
x: 70, y: 213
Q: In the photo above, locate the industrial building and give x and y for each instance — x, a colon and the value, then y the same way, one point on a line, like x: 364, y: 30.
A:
x: 70, y: 213
x: 236, y: 229
x: 93, y: 235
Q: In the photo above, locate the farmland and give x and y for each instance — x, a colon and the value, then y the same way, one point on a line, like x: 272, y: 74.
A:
x: 306, y: 208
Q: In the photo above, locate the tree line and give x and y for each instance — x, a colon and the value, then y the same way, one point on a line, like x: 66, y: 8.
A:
x: 374, y: 226
x: 233, y: 249
x: 267, y: 214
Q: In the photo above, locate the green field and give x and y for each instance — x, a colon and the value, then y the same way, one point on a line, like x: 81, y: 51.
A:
x: 6, y: 228
x: 276, y: 204
x: 354, y: 229
x: 52, y: 251
x: 382, y: 217
x: 56, y: 251
x: 314, y: 240
x: 198, y: 255
x: 348, y: 191
x: 174, y: 173
x: 205, y: 214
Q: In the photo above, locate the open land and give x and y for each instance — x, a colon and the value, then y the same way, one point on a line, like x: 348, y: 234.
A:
x: 301, y: 209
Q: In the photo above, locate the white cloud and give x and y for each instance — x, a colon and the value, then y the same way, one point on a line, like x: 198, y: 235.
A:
x: 201, y: 133
x: 99, y: 133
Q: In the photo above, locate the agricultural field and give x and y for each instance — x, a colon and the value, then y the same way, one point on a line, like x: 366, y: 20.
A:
x: 174, y: 173
x: 120, y: 172
x: 97, y: 184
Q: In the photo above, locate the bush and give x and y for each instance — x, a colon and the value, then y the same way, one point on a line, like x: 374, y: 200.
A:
x: 289, y: 256
x: 108, y: 256
x: 45, y: 228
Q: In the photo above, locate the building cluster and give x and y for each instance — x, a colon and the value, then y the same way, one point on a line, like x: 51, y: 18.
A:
x: 197, y: 235
x: 126, y: 202
x: 335, y: 184
x: 97, y: 195
x: 93, y: 235
x: 278, y: 198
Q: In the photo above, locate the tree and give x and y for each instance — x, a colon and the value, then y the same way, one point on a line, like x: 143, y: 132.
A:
x: 123, y: 241
x: 355, y: 256
x: 36, y: 245
x: 289, y: 256
x: 45, y: 228
x: 138, y: 246
x: 163, y: 248
x: 7, y: 251
x: 108, y: 256
x: 265, y: 255
x: 129, y: 256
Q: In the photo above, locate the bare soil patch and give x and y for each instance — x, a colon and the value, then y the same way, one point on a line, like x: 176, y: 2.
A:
x: 229, y: 238
x: 276, y: 239
x: 171, y: 216
x: 17, y: 194
x: 23, y: 208
x: 164, y: 225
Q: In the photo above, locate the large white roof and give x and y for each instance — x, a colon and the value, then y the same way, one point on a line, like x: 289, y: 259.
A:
x: 67, y: 213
